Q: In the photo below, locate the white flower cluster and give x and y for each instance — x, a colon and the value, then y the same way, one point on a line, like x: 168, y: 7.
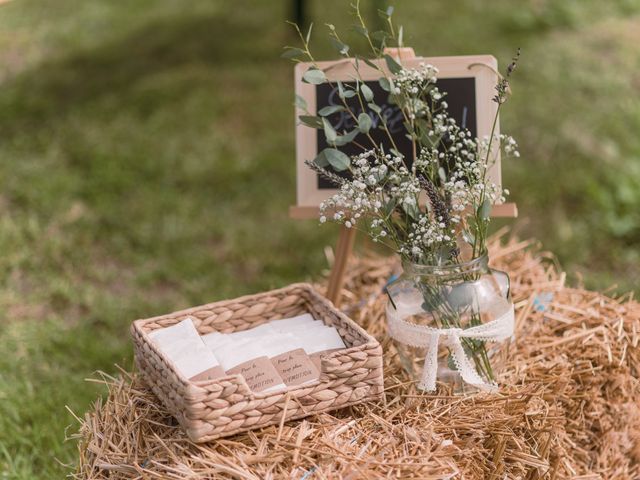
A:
x: 466, y: 183
x: 460, y: 147
x: 426, y: 237
x: 510, y: 146
x: 505, y: 142
x: 411, y: 85
x: 413, y: 81
x: 372, y: 174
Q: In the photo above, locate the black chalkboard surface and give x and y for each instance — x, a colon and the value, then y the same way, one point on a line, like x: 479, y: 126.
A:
x: 461, y: 98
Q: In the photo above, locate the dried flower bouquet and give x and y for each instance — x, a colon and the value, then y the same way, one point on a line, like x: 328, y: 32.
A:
x: 431, y: 209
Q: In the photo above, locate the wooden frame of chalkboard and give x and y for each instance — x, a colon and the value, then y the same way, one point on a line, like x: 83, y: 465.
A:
x: 468, y: 80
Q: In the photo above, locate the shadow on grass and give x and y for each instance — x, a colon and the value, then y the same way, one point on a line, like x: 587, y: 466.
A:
x: 37, y: 96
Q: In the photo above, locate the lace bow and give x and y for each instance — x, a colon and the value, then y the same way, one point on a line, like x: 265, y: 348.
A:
x: 421, y: 336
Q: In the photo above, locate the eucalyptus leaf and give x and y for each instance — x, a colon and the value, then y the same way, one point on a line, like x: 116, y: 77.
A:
x: 393, y: 66
x: 352, y: 134
x: 422, y: 124
x: 309, y: 33
x: 326, y: 111
x: 386, y: 14
x: 385, y: 84
x: 380, y: 36
x: 329, y: 132
x: 314, y: 76
x: 484, y: 210
x: 468, y: 237
x: 396, y: 153
x: 301, y: 103
x: 344, y: 92
x: 292, y: 52
x: 389, y: 207
x: 411, y: 209
x: 338, y: 160
x: 370, y: 63
x: 360, y: 30
x: 364, y: 122
x: 346, y: 138
x: 321, y: 160
x: 342, y: 48
x: 366, y: 92
x: 311, y: 121
x: 374, y: 108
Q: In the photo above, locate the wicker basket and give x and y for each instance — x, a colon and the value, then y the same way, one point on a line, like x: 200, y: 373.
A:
x: 216, y: 408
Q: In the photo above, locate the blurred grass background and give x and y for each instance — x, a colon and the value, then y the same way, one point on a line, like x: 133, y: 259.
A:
x: 147, y: 163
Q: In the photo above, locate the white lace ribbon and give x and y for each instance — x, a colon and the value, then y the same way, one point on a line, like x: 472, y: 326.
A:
x: 421, y: 336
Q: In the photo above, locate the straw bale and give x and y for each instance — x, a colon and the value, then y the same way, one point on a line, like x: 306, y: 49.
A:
x: 569, y: 406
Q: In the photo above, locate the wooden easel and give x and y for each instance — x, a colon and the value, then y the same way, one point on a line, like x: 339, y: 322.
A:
x: 346, y: 239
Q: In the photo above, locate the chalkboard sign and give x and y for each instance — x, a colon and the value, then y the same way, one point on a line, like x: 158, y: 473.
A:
x: 469, y: 82
x: 461, y: 98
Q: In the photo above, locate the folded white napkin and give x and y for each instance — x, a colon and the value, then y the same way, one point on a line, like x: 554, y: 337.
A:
x: 184, y: 347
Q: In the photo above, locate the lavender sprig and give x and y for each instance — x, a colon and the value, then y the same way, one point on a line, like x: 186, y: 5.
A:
x: 326, y: 174
x: 440, y: 209
x: 503, y: 85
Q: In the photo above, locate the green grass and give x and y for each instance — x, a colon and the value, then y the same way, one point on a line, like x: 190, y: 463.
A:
x: 146, y: 158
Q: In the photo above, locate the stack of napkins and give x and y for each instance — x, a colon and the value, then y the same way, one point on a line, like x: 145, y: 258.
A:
x: 271, y: 356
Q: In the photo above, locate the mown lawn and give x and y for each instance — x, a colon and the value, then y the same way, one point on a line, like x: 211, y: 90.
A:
x: 146, y: 158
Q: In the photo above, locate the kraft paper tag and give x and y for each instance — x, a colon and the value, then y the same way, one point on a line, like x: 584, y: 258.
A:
x: 210, y: 374
x: 259, y: 373
x: 316, y: 358
x: 295, y: 367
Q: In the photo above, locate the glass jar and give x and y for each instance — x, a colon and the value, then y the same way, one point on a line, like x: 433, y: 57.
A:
x: 452, y: 323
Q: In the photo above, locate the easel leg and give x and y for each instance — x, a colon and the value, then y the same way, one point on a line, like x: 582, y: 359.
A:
x: 342, y: 254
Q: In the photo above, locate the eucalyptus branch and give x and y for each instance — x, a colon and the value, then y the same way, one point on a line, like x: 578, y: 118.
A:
x: 391, y: 29
x: 303, y: 39
x: 305, y: 43
x: 363, y: 25
x: 376, y: 52
x: 382, y: 120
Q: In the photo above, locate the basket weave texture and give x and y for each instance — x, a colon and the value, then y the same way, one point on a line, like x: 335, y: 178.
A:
x: 216, y: 408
